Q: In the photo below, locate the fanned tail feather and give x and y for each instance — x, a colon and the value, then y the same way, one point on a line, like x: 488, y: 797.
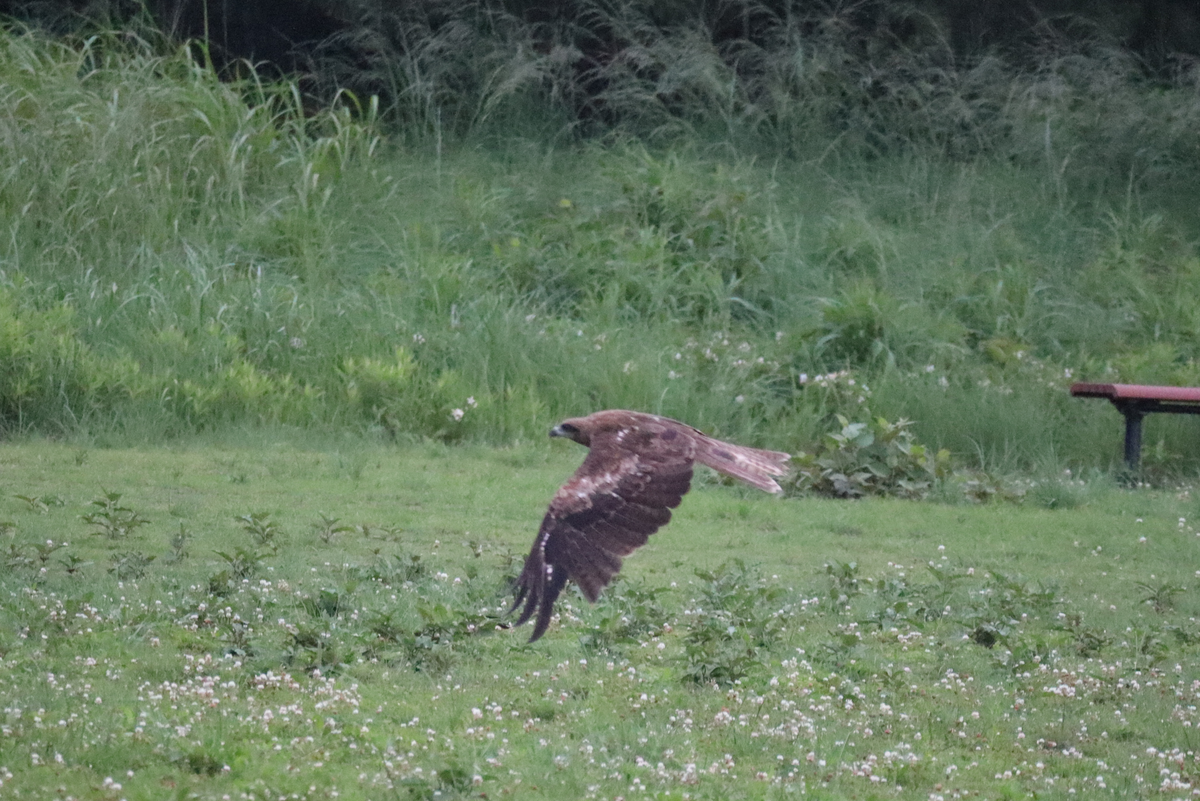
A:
x: 752, y: 465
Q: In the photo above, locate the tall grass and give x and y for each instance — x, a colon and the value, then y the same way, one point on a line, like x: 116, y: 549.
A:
x: 182, y: 253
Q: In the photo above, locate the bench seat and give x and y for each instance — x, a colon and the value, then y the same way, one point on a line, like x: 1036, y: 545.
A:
x: 1135, y: 401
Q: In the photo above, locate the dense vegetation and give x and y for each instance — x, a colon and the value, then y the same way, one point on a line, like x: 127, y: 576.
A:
x: 754, y: 240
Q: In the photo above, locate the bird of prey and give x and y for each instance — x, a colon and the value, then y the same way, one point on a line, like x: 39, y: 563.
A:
x: 637, y: 470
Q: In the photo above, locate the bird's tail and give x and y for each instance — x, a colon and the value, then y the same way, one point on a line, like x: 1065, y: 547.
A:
x: 755, y: 467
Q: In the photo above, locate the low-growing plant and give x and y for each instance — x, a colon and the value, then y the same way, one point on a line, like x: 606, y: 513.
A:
x: 1160, y: 595
x: 179, y: 544
x: 309, y: 648
x: 627, y: 612
x: 44, y: 550
x: 387, y: 634
x: 113, y: 519
x: 243, y: 563
x: 1148, y: 645
x: 263, y: 530
x: 220, y: 584
x: 74, y: 563
x: 980, y: 487
x: 844, y: 584
x: 130, y: 565
x: 329, y: 527
x: 1012, y: 596
x: 17, y: 557
x: 35, y: 503
x: 395, y: 569
x: 235, y: 634
x: 431, y: 648
x: 871, y: 458
x: 1090, y: 641
x: 1056, y: 494
x: 737, y: 616
x: 446, y: 782
x: 327, y: 602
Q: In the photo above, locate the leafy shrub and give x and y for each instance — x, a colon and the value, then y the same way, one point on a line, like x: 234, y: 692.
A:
x: 377, y: 387
x: 1159, y: 595
x: 872, y: 458
x: 46, y: 368
x: 306, y: 646
x: 430, y: 648
x: 736, y: 618
x: 18, y: 557
x: 627, y: 612
x: 852, y: 326
x: 239, y: 391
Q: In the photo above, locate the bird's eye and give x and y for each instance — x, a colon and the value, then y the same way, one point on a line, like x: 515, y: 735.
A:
x: 570, y: 429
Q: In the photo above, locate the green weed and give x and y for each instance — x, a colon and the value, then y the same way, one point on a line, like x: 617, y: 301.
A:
x: 243, y: 564
x: 130, y: 565
x: 179, y: 544
x: 264, y: 531
x: 738, y: 615
x: 111, y: 518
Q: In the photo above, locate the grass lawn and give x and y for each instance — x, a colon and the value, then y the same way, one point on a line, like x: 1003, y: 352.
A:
x: 318, y: 623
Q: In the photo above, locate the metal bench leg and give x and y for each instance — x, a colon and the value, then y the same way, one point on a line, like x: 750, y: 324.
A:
x: 1133, y: 435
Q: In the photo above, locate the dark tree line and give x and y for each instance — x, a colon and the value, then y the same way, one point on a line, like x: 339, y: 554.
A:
x: 442, y: 50
x: 281, y: 32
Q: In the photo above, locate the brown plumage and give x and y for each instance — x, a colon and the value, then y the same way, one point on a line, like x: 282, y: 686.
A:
x: 637, y: 470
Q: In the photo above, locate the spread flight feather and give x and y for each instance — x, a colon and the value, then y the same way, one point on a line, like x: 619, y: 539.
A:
x: 637, y: 470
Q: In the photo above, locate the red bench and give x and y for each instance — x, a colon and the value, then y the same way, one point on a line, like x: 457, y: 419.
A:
x: 1135, y: 401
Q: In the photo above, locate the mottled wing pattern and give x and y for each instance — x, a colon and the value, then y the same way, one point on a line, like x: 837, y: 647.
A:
x: 621, y: 494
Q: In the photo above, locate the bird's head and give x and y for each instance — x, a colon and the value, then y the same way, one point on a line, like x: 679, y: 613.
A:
x: 573, y: 429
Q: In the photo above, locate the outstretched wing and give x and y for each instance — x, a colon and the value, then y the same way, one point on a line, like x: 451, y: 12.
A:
x: 622, y: 493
